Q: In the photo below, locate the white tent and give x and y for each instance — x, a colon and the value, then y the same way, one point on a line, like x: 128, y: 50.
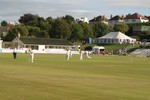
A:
x: 98, y: 49
x: 115, y: 38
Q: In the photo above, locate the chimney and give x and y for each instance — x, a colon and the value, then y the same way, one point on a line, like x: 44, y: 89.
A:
x: 104, y: 18
x: 111, y: 16
x: 122, y: 17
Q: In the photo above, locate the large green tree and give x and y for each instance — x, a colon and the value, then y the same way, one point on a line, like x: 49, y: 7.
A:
x: 87, y: 31
x: 33, y: 31
x: 77, y: 33
x: 100, y: 29
x: 29, y: 19
x: 122, y: 27
x: 49, y: 23
x: 19, y: 30
x: 35, y: 22
x: 60, y: 29
x: 42, y: 34
x: 69, y: 19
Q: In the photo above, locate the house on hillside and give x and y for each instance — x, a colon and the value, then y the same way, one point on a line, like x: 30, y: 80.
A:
x: 115, y: 20
x: 102, y: 19
x: 5, y: 29
x: 139, y: 29
x: 83, y: 19
x: 40, y: 43
x: 135, y: 18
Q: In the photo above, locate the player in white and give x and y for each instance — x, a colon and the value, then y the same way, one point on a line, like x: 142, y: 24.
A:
x: 87, y: 54
x: 31, y: 55
x: 81, y: 55
x: 68, y: 54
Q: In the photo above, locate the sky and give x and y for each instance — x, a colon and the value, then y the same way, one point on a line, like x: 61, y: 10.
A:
x: 12, y: 10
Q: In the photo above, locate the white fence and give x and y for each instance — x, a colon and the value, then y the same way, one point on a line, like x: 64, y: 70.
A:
x: 48, y: 51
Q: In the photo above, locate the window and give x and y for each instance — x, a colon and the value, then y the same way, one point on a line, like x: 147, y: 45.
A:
x: 112, y: 40
x: 133, y: 20
x: 97, y: 40
x: 104, y: 40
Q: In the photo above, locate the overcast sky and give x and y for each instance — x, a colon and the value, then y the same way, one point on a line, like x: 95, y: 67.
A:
x: 11, y: 10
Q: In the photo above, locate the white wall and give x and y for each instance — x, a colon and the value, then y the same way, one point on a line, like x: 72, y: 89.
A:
x: 144, y: 20
x: 135, y: 20
x: 111, y: 23
x: 1, y: 43
x: 41, y: 48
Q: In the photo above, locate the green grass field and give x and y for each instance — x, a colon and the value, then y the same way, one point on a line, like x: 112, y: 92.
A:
x: 51, y: 77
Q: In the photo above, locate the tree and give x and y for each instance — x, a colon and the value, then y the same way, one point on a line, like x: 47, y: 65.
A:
x: 49, y: 22
x: 100, y: 29
x: 28, y: 19
x: 9, y: 37
x: 42, y: 34
x: 33, y: 31
x: 87, y: 31
x: 76, y: 33
x: 42, y: 24
x: 4, y: 23
x: 19, y: 29
x: 60, y: 29
x: 122, y: 27
x: 69, y: 19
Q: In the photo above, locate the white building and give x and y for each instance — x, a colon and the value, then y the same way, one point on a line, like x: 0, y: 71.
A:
x: 83, y: 19
x: 115, y: 20
x: 100, y: 18
x: 40, y: 44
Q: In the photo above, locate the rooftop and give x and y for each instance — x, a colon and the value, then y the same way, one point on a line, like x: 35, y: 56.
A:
x: 45, y: 41
x: 135, y: 16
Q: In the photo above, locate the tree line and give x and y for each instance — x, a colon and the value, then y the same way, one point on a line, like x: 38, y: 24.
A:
x: 64, y: 27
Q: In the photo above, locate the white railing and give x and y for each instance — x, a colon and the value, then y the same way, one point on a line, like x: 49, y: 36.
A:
x: 48, y: 51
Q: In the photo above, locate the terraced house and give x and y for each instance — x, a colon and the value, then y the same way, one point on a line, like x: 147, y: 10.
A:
x: 130, y: 18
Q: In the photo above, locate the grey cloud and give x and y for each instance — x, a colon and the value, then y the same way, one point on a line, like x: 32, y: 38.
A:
x: 77, y: 8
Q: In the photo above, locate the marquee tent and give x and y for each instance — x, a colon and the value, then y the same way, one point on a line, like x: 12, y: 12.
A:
x: 115, y: 38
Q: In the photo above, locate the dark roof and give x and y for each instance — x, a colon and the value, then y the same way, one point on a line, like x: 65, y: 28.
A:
x: 135, y: 16
x: 117, y: 17
x: 45, y: 41
x: 148, y: 17
x: 99, y: 18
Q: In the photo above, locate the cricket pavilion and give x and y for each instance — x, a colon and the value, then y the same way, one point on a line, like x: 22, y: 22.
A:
x: 40, y: 44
